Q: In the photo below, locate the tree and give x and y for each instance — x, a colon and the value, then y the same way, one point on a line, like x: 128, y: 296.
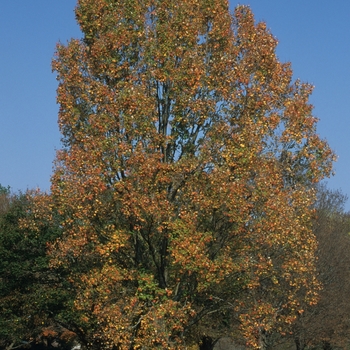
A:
x: 31, y: 294
x: 327, y: 323
x: 184, y: 184
x: 4, y: 199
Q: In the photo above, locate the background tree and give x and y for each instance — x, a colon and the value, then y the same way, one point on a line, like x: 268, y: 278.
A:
x: 31, y: 294
x: 5, y: 199
x: 327, y: 323
x: 184, y: 184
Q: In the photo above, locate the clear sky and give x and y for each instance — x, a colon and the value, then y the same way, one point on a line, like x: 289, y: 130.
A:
x: 313, y: 35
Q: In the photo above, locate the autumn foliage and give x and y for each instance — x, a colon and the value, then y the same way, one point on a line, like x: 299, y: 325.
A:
x: 185, y: 184
x: 327, y: 323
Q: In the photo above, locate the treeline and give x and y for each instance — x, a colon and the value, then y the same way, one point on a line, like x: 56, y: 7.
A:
x: 34, y: 298
x: 37, y: 301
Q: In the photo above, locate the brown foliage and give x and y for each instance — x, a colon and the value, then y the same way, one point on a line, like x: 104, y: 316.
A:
x: 184, y: 184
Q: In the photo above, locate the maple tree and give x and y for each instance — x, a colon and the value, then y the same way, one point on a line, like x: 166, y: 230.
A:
x: 184, y: 186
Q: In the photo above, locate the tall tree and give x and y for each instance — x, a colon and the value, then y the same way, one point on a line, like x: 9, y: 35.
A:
x: 184, y: 184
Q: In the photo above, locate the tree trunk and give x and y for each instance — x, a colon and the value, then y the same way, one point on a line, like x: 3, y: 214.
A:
x: 264, y: 340
x: 326, y: 345
x: 299, y: 343
x: 207, y: 343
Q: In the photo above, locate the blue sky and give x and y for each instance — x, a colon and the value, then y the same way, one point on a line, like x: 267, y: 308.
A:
x: 313, y: 35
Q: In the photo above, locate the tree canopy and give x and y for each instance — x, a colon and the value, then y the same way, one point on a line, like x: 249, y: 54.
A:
x: 327, y: 323
x: 31, y: 293
x: 184, y: 189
